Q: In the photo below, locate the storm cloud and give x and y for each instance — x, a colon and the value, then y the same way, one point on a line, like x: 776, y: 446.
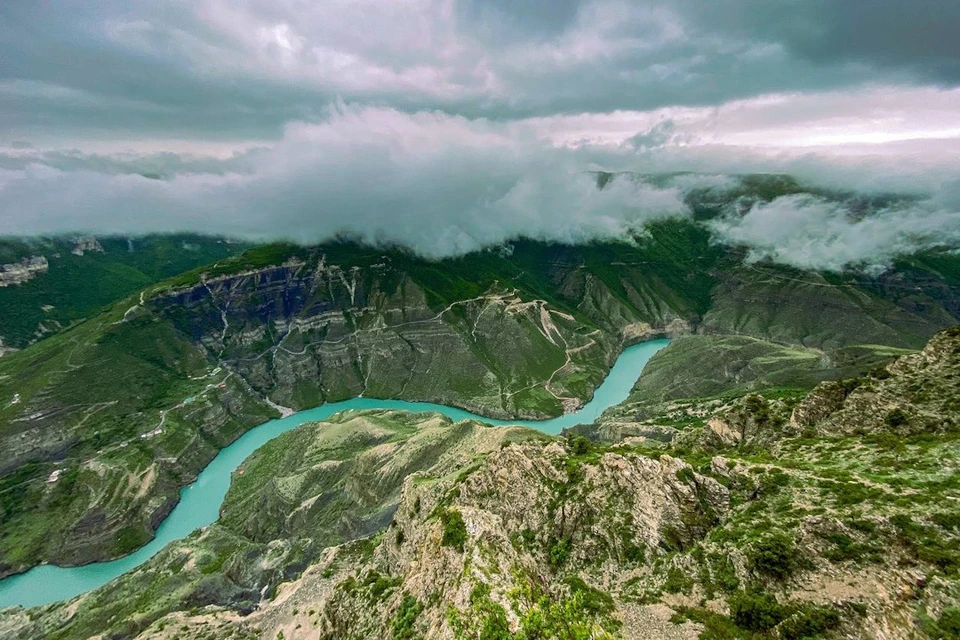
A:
x: 449, y: 125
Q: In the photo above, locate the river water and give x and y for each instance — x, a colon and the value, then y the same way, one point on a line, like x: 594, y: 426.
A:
x: 200, y: 502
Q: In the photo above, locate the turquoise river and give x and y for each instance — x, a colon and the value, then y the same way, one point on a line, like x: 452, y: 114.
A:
x: 200, y: 502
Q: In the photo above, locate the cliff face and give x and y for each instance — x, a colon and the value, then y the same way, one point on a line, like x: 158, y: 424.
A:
x: 308, y: 332
x: 19, y: 272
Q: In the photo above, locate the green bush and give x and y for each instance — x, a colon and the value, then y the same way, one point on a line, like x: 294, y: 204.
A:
x: 560, y: 551
x: 809, y: 622
x: 724, y: 573
x: 593, y: 601
x: 579, y: 446
x: 774, y: 556
x: 896, y: 418
x: 403, y: 626
x: 454, y: 529
x: 947, y: 520
x: 677, y: 581
x: 949, y: 623
x: 685, y: 474
x: 756, y: 611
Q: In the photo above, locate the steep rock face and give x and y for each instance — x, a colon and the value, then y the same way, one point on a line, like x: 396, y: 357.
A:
x: 914, y: 394
x: 531, y: 518
x: 86, y: 244
x: 19, y: 272
x: 304, y: 333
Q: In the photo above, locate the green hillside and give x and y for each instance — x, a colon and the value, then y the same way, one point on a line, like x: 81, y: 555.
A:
x: 77, y: 286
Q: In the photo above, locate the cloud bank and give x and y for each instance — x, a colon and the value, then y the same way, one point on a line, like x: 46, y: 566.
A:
x: 471, y: 122
x: 807, y: 232
x: 441, y: 185
x: 445, y: 185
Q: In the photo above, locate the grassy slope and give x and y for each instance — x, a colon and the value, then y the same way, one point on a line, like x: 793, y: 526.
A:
x: 702, y: 366
x: 150, y: 369
x: 79, y: 286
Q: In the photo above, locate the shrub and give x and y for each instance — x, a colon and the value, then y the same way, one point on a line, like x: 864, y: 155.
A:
x: 593, y: 601
x: 685, y: 474
x: 947, y: 519
x: 677, y: 581
x: 724, y: 573
x: 949, y: 623
x: 756, y: 611
x: 809, y: 622
x: 403, y: 627
x: 579, y: 446
x: 774, y: 556
x: 896, y: 418
x: 560, y: 551
x: 454, y: 529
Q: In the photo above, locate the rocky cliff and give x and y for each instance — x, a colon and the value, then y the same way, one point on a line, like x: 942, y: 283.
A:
x: 19, y: 272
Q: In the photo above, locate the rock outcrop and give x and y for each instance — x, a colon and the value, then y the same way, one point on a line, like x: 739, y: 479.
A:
x: 86, y: 244
x: 19, y: 272
x: 914, y: 394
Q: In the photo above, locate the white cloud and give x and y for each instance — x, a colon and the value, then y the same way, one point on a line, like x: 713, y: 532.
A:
x: 445, y: 185
x: 440, y: 184
x: 808, y: 232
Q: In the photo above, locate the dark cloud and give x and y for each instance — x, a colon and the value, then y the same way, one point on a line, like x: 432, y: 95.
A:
x: 209, y: 68
x: 473, y: 121
x: 916, y: 37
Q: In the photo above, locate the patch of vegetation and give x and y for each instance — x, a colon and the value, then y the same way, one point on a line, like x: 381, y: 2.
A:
x: 677, y: 581
x: 844, y: 548
x: 756, y: 611
x: 454, y: 529
x: 404, y: 622
x: 774, y: 556
x: 756, y: 615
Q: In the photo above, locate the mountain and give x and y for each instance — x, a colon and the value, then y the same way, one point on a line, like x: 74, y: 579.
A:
x: 828, y: 514
x: 48, y: 283
x: 104, y: 422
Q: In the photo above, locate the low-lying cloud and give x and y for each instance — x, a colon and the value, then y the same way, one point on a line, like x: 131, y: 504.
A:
x: 441, y: 185
x: 445, y: 185
x: 808, y: 232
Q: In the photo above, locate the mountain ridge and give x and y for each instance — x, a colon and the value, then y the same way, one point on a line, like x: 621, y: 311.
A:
x: 208, y: 354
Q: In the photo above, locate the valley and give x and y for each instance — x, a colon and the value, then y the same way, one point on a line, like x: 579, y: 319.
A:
x: 127, y: 407
x: 828, y: 514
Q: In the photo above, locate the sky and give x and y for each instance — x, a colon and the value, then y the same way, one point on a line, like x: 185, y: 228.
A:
x: 452, y: 125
